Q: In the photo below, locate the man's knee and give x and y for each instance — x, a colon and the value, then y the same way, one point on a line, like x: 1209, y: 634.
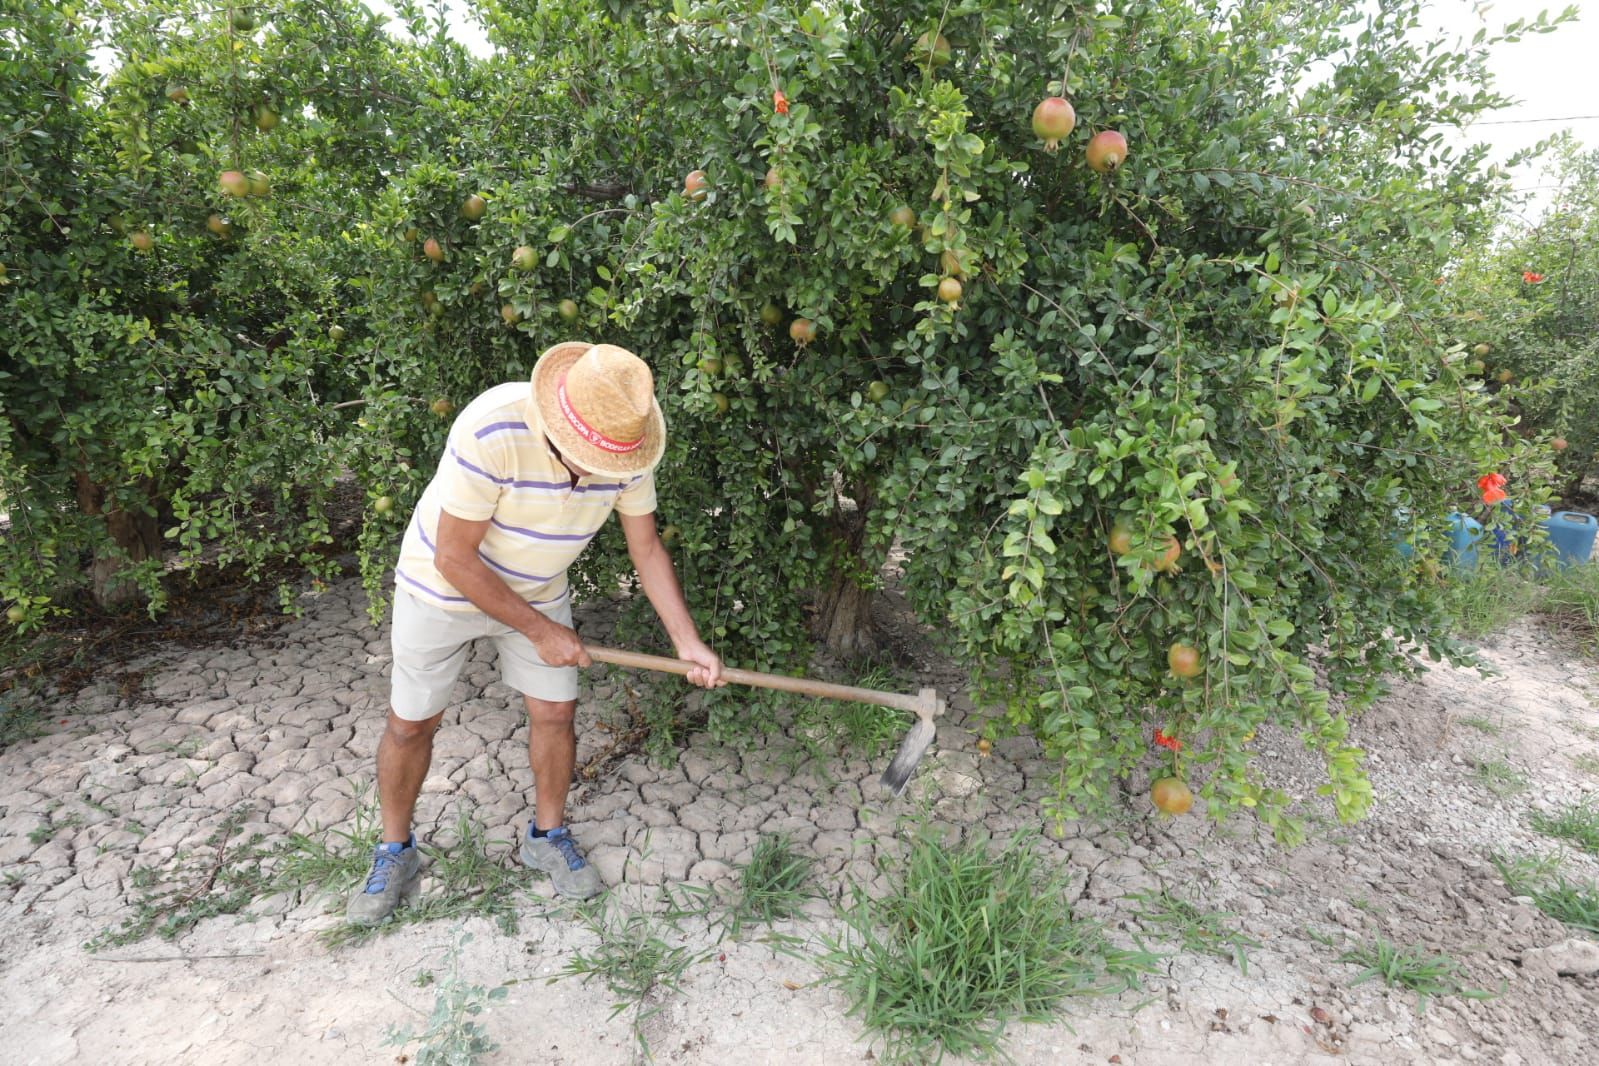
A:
x: 544, y: 712
x: 407, y: 731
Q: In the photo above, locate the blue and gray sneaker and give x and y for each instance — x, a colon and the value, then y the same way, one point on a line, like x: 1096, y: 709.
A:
x: 396, y: 873
x: 557, y: 855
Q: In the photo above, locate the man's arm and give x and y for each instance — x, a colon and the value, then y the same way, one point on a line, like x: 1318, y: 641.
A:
x: 659, y: 579
x: 457, y: 559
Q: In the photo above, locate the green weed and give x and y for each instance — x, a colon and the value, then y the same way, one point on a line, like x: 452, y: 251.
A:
x: 633, y: 961
x: 1572, y: 599
x: 221, y: 878
x: 1572, y: 902
x: 1481, y: 724
x: 451, y: 1037
x: 1489, y: 597
x: 1426, y: 975
x: 772, y: 886
x: 1498, y: 776
x: 971, y: 940
x: 464, y: 883
x: 330, y: 859
x: 22, y: 717
x: 1196, y: 929
x: 1578, y: 824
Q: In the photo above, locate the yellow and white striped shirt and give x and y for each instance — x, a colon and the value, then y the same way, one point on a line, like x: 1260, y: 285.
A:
x: 498, y: 466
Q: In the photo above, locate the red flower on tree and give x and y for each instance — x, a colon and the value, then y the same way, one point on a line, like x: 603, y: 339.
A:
x: 1530, y: 277
x: 1492, y: 487
x: 779, y: 102
x: 1167, y: 742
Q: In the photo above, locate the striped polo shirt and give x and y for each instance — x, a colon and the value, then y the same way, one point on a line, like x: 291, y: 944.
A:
x: 498, y: 466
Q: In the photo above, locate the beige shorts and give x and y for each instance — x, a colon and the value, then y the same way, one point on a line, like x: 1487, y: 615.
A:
x: 430, y: 647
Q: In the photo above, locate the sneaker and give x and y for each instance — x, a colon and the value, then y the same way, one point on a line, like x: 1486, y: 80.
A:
x: 557, y: 855
x: 396, y: 873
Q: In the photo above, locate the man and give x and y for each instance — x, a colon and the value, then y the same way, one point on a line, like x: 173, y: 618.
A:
x: 531, y: 470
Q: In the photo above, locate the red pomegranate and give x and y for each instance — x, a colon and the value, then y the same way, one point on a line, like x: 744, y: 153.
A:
x: 1053, y: 119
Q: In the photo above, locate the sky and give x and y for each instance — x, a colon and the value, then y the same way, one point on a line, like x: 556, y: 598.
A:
x: 1551, y: 76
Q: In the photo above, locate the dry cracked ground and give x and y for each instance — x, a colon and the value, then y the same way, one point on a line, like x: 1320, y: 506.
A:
x: 279, y: 732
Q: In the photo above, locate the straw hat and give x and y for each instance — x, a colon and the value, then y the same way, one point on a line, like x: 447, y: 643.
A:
x: 597, y: 403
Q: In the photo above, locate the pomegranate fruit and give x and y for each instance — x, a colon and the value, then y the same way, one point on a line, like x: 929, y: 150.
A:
x: 218, y: 225
x: 335, y: 333
x: 720, y: 402
x: 474, y: 206
x: 695, y: 186
x: 441, y: 407
x: 568, y: 309
x: 142, y: 240
x: 524, y: 258
x: 177, y: 94
x: 234, y: 183
x: 1053, y: 119
x: 949, y: 290
x: 266, y: 119
x: 1171, y: 796
x: 771, y: 314
x: 511, y: 315
x: 1558, y: 444
x: 877, y: 391
x: 773, y: 179
x: 1183, y: 660
x: 931, y: 48
x: 802, y: 331
x: 1121, y: 539
x: 433, y: 249
x: 259, y: 185
x: 1107, y: 150
x: 1167, y: 563
x: 902, y: 216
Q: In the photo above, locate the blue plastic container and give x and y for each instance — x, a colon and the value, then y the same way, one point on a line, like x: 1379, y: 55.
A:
x: 1464, y: 533
x: 1572, y: 534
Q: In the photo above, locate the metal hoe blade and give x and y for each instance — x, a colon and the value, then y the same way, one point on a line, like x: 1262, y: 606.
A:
x: 915, y: 744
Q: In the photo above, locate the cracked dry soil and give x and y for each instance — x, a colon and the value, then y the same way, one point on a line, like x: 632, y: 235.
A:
x: 286, y: 725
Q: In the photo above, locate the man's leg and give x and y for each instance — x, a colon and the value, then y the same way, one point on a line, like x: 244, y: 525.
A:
x: 404, y: 755
x: 552, y: 752
x: 547, y: 844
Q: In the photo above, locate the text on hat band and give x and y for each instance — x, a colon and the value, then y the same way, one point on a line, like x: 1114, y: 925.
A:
x: 586, y: 431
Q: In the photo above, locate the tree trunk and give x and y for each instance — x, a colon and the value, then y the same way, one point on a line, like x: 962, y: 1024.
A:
x: 843, y: 622
x: 136, y: 534
x: 844, y: 619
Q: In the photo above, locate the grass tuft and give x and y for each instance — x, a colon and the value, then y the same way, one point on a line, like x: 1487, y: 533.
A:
x: 971, y: 940
x: 464, y: 882
x: 1579, y: 824
x: 1488, y: 597
x: 1572, y: 599
x: 1482, y: 725
x: 1206, y: 932
x: 1499, y: 777
x: 1426, y: 975
x: 633, y: 961
x: 773, y: 885
x: 1572, y: 902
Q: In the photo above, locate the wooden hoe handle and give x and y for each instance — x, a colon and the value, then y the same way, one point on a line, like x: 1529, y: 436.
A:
x: 926, y: 703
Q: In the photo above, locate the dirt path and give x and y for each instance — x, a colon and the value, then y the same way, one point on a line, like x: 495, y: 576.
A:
x: 287, y: 728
